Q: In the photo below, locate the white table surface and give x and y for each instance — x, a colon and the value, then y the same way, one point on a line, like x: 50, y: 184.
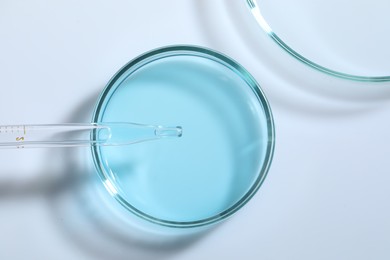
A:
x: 326, y: 195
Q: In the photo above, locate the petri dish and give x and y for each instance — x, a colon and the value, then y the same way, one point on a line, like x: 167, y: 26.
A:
x: 223, y: 155
x: 346, y: 39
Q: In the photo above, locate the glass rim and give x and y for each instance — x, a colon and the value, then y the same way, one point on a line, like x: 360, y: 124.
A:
x: 260, y: 19
x: 190, y: 50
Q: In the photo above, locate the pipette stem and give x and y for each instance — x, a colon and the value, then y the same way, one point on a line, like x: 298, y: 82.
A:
x: 78, y: 135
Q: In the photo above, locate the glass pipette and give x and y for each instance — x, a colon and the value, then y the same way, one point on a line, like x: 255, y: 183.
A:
x: 78, y: 135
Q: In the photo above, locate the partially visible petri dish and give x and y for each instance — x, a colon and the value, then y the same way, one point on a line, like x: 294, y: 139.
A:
x: 225, y: 151
x: 343, y: 38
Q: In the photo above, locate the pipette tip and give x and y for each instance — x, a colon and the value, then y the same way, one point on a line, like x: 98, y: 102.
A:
x: 162, y: 131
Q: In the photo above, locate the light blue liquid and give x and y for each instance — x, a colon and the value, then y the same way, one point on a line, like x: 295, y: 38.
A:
x: 218, y: 158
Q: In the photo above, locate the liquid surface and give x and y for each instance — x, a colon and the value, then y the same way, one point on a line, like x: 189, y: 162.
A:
x: 218, y: 158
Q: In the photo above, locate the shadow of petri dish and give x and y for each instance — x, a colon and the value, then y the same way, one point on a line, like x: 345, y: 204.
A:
x: 105, y: 230
x: 345, y: 39
x: 223, y: 155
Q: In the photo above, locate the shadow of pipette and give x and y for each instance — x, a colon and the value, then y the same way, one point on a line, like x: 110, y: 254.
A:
x: 85, y: 213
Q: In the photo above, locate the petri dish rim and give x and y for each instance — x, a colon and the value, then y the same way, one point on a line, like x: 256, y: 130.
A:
x: 181, y: 50
x: 256, y: 13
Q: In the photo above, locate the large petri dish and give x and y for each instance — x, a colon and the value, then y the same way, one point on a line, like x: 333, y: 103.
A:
x: 223, y: 155
x: 344, y: 38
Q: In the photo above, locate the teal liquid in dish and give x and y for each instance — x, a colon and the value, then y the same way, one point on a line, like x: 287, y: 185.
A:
x: 217, y: 160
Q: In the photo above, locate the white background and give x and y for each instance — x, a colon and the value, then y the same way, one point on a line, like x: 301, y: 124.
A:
x: 326, y: 195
